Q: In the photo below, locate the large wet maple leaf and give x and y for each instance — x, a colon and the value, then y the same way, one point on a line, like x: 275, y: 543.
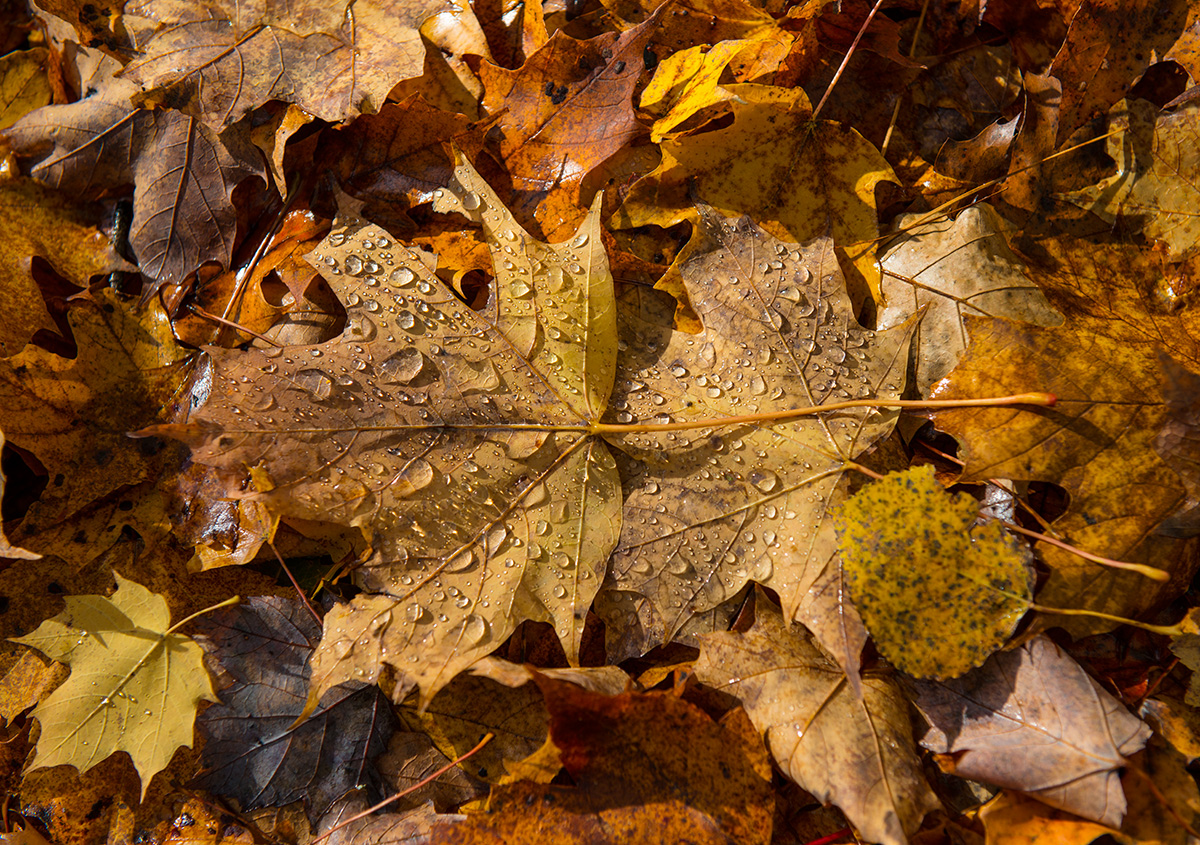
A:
x: 473, y: 449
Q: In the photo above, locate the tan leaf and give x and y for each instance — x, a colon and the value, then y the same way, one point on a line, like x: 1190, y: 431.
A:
x: 856, y: 752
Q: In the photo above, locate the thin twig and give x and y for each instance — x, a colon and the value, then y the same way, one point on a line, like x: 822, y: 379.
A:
x: 846, y: 58
x: 486, y: 739
x: 912, y: 52
x: 295, y: 584
x: 221, y: 321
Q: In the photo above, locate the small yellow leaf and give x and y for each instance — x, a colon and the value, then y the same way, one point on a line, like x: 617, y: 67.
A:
x: 134, y: 687
x: 938, y: 593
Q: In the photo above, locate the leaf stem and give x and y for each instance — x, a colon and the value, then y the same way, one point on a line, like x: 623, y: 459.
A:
x: 1141, y: 569
x: 1042, y: 399
x: 227, y: 603
x: 1166, y: 630
x: 486, y: 739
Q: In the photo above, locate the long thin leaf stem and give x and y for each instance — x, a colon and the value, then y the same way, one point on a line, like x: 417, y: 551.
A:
x: 1166, y: 630
x: 486, y: 739
x: 1141, y: 569
x: 1041, y: 399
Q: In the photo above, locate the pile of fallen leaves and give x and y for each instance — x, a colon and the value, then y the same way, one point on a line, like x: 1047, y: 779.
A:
x: 722, y: 421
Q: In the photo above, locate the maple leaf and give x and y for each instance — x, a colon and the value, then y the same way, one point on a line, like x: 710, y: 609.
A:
x: 566, y: 110
x: 183, y: 173
x: 938, y: 593
x: 251, y: 751
x: 1032, y: 719
x: 633, y: 777
x: 1108, y: 44
x: 134, y: 684
x: 854, y: 750
x: 955, y: 268
x: 799, y: 178
x: 46, y: 225
x: 1156, y: 178
x: 1097, y: 442
x: 470, y: 446
x: 74, y: 414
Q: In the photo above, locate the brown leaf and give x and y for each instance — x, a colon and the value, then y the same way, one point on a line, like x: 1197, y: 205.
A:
x: 75, y: 414
x: 854, y: 751
x: 1098, y: 442
x: 952, y: 269
x: 218, y: 62
x: 797, y: 177
x: 567, y: 109
x: 48, y: 225
x: 1108, y: 45
x: 706, y: 512
x: 1032, y: 719
x: 183, y: 174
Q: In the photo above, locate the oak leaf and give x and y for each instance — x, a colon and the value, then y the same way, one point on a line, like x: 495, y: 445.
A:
x: 1032, y: 719
x: 855, y: 751
x: 134, y: 685
x: 937, y: 592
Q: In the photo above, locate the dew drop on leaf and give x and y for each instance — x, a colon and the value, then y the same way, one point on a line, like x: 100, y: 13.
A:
x: 404, y: 366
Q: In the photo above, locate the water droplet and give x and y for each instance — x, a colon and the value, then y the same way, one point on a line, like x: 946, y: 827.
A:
x: 316, y: 383
x: 402, y: 277
x: 353, y: 265
x: 758, y: 385
x: 404, y: 366
x: 708, y: 354
x: 520, y: 290
x: 470, y: 201
x: 415, y: 613
x: 579, y: 240
x: 474, y: 628
x: 764, y: 480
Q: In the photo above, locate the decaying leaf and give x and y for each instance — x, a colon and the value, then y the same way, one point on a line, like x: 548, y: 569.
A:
x: 219, y: 61
x: 855, y: 751
x: 1156, y: 186
x: 7, y: 550
x: 951, y: 269
x: 937, y: 592
x: 133, y: 687
x: 252, y: 750
x: 1032, y: 719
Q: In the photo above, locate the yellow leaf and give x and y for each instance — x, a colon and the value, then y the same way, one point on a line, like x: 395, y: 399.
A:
x: 799, y: 178
x: 686, y: 82
x: 937, y: 593
x: 134, y: 686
